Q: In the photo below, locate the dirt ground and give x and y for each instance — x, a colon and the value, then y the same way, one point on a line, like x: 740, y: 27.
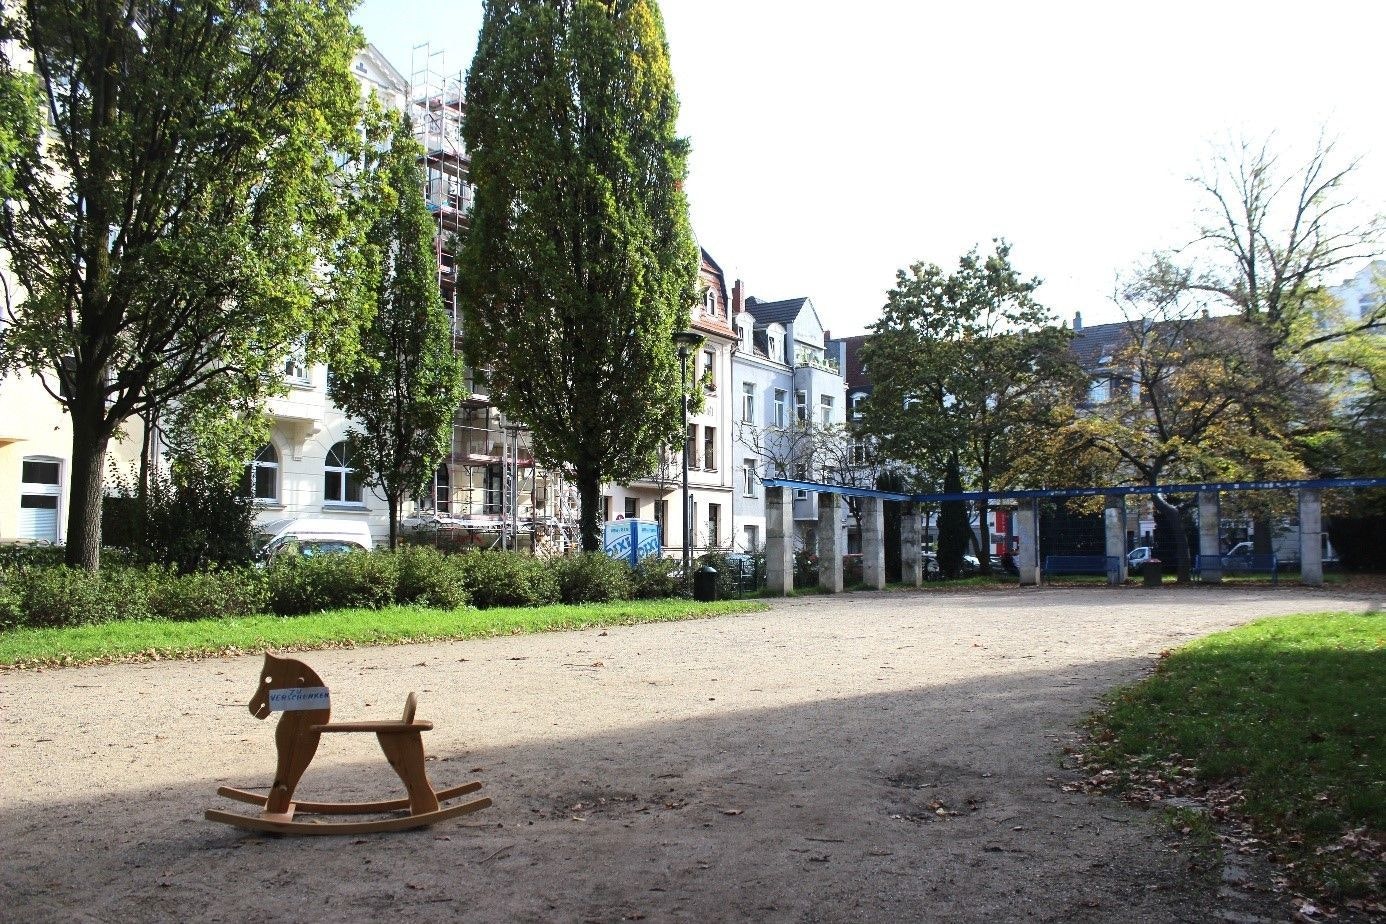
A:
x: 869, y: 757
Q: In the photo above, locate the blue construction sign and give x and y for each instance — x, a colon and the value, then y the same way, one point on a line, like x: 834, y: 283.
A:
x: 630, y: 540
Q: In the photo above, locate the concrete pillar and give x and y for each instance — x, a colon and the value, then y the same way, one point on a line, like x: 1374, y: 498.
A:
x: 1209, y: 538
x: 1311, y: 538
x: 779, y: 540
x: 911, y: 557
x: 872, y: 543
x: 832, y: 542
x: 1027, y: 531
x: 1114, y: 523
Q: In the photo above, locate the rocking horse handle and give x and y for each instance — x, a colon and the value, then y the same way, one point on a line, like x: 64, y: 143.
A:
x: 410, y: 704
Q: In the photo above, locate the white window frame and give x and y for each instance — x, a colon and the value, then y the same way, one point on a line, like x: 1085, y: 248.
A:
x: 253, y: 469
x: 801, y: 413
x: 344, y: 474
x: 44, y: 489
x: 781, y: 398
x: 710, y: 449
x: 710, y: 369
x: 825, y: 410
x: 748, y: 403
x: 748, y: 475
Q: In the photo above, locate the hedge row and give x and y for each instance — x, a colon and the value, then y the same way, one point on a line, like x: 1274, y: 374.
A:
x: 46, y: 595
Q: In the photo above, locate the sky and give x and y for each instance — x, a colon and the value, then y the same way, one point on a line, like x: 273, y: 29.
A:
x: 834, y: 144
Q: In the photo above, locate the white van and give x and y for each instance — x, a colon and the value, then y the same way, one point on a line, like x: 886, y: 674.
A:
x: 317, y: 536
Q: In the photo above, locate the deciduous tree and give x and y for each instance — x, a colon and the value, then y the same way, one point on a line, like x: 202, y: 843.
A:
x: 181, y: 227
x: 963, y: 364
x: 403, y: 387
x: 579, y: 263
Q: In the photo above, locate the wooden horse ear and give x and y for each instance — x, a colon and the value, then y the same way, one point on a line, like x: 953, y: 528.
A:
x: 410, y: 705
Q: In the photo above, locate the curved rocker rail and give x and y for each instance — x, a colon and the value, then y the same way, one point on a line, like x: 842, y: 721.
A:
x: 344, y: 808
x: 402, y: 823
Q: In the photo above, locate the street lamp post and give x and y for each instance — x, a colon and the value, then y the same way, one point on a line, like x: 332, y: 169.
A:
x: 687, y: 342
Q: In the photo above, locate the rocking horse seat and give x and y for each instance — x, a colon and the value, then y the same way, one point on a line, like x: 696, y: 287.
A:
x: 386, y: 727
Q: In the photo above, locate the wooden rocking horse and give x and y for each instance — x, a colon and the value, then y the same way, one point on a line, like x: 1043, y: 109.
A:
x: 291, y: 687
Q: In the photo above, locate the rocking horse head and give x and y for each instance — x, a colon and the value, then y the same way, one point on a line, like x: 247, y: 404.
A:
x: 280, y: 674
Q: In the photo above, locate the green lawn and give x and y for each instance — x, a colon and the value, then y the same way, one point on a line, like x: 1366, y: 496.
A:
x: 332, y: 629
x: 1288, y: 713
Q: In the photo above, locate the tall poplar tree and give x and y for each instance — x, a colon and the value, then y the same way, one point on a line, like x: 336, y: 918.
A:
x: 181, y: 227
x: 579, y: 263
x: 405, y: 383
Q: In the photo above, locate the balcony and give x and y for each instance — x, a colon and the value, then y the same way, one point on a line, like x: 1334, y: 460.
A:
x: 803, y: 357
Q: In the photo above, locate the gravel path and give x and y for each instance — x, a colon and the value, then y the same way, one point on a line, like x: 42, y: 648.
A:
x: 869, y: 757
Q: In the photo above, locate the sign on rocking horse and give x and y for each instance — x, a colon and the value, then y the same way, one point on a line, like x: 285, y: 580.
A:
x: 290, y: 687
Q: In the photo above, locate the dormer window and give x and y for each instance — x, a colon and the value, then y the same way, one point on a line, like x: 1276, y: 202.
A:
x: 710, y: 302
x: 774, y: 348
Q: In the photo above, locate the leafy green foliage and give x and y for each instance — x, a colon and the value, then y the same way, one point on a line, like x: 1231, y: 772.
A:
x: 1283, y: 712
x: 592, y: 577
x: 579, y: 263
x: 186, y: 222
x: 190, y: 519
x: 58, y: 596
x: 427, y: 577
x: 507, y: 579
x: 403, y: 387
x: 655, y: 577
x: 311, y: 583
x: 967, y: 367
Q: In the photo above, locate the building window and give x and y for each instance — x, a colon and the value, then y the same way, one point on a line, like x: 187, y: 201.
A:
x: 710, y: 302
x: 260, y: 480
x: 801, y: 474
x: 296, y: 367
x: 860, y: 451
x: 752, y: 540
x: 439, y: 496
x: 857, y: 400
x: 710, y: 370
x: 661, y: 515
x: 748, y: 475
x: 606, y: 507
x: 825, y: 410
x: 774, y: 351
x: 1100, y: 390
x: 341, y: 484
x: 710, y: 448
x: 40, y: 489
x: 714, y: 524
x: 632, y: 508
x: 690, y: 446
x: 801, y: 406
x: 748, y: 403
x: 780, y: 396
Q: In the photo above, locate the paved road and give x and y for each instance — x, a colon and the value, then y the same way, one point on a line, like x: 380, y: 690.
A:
x: 870, y: 757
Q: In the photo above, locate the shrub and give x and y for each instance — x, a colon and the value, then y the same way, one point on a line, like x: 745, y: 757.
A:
x: 309, y: 583
x: 728, y: 573
x: 507, y: 579
x: 430, y: 578
x: 805, y: 569
x: 592, y: 577
x: 656, y: 578
x: 190, y: 520
x: 59, y: 597
x: 208, y: 595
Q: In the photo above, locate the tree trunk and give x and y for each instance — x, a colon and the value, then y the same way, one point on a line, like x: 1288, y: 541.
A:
x: 1173, y: 518
x: 589, y: 494
x: 395, y: 501
x: 89, y: 443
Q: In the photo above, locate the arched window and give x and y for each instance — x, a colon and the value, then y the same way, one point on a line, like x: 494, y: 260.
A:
x: 340, y: 483
x: 261, y: 477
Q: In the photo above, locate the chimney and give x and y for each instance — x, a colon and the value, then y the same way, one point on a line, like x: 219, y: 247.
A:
x: 738, y: 298
x: 1077, y: 322
x: 827, y: 335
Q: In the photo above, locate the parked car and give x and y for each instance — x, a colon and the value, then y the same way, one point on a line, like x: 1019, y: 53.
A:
x: 318, y: 536
x: 1139, y: 556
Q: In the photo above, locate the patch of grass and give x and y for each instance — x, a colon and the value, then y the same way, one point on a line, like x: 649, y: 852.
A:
x: 1286, y: 713
x: 331, y: 629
